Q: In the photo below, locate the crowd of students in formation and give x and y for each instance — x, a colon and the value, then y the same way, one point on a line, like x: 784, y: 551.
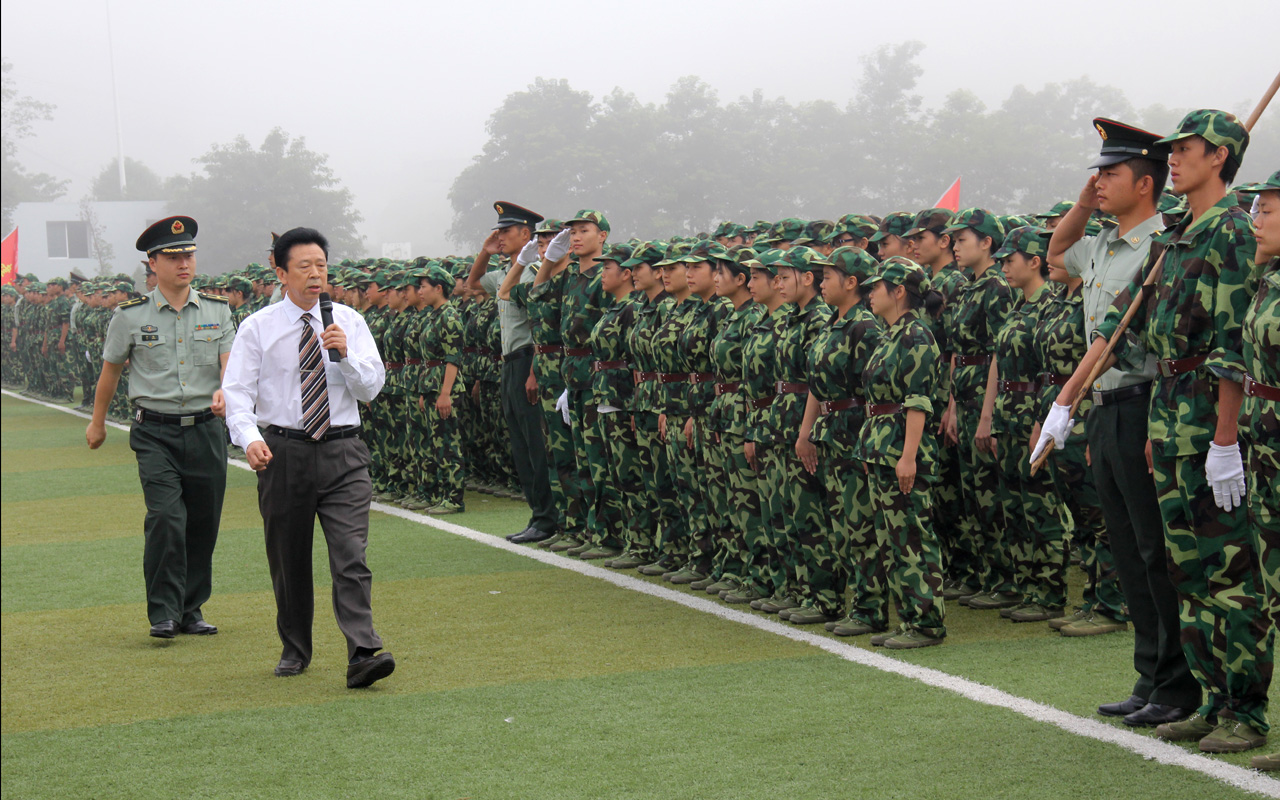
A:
x: 834, y: 421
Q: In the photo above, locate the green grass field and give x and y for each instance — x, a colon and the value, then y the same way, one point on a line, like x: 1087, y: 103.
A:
x: 514, y: 679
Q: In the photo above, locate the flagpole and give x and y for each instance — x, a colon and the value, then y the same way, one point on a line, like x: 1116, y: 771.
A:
x: 115, y: 102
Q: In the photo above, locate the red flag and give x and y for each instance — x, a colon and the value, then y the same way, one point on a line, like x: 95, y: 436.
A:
x: 950, y: 199
x: 9, y: 256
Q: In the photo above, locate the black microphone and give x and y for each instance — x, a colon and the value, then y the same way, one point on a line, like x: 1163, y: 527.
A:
x: 326, y: 318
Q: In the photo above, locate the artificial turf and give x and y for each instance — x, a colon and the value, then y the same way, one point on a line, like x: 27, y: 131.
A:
x: 514, y: 679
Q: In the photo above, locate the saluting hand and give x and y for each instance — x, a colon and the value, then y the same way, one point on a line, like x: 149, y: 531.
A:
x: 490, y: 246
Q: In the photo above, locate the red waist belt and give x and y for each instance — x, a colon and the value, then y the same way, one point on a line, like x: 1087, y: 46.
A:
x: 973, y: 361
x: 432, y: 363
x: 601, y: 366
x: 412, y: 362
x: 726, y: 388
x: 763, y: 402
x: 471, y: 349
x: 1053, y: 379
x: 644, y: 377
x: 881, y: 409
x: 547, y: 348
x: 393, y: 365
x: 1017, y: 386
x: 832, y: 406
x: 1254, y: 389
x: 672, y: 377
x: 701, y: 377
x: 1170, y: 367
x: 578, y: 351
x: 782, y: 387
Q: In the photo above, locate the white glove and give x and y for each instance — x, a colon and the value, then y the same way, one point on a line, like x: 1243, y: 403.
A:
x: 1056, y: 426
x: 559, y: 247
x: 1224, y: 470
x: 562, y: 405
x: 528, y: 253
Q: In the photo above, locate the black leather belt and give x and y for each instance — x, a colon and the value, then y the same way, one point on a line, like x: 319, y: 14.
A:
x: 527, y: 350
x: 141, y: 414
x: 1113, y: 396
x: 345, y: 432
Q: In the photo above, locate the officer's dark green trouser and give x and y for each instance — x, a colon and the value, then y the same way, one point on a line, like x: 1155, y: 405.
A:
x: 528, y: 446
x: 183, y: 469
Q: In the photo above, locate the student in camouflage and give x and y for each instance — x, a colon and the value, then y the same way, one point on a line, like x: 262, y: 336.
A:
x: 979, y: 311
x: 897, y: 444
x: 439, y: 346
x: 849, y: 553
x: 1032, y: 509
x: 1260, y: 412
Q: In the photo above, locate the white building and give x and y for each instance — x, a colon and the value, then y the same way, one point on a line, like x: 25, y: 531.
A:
x: 55, y: 238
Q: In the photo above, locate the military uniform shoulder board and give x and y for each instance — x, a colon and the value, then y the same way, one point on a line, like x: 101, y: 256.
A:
x: 137, y: 301
x: 217, y: 297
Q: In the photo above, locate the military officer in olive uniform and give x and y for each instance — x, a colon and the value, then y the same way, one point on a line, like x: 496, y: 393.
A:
x: 177, y: 342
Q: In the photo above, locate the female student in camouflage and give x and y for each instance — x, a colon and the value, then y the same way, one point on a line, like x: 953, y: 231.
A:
x: 439, y: 346
x: 898, y: 447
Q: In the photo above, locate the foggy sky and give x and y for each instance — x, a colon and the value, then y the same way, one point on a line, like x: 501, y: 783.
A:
x: 397, y: 93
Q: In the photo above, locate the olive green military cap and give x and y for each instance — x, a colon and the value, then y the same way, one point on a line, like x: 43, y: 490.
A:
x: 982, y: 221
x: 1030, y: 240
x: 1121, y: 142
x: 511, y: 214
x: 169, y: 235
x: 589, y: 215
x: 902, y: 271
x: 895, y: 224
x: 855, y: 262
x: 1219, y: 128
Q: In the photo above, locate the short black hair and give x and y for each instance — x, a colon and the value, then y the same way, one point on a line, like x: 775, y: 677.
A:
x: 1158, y: 170
x: 1229, y: 167
x: 293, y: 237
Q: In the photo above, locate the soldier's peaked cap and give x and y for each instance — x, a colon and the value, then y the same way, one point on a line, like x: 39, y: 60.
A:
x: 511, y: 214
x: 1121, y: 142
x: 169, y: 235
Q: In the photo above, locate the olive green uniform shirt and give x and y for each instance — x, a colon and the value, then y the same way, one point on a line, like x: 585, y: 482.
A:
x: 173, y: 354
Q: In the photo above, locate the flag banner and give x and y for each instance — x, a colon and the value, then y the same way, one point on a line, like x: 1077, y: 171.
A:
x: 9, y: 255
x: 950, y: 199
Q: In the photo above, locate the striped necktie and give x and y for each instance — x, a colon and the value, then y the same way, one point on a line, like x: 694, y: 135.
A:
x: 315, y: 389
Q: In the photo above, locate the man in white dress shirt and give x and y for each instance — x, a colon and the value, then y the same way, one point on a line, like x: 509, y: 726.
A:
x: 293, y: 411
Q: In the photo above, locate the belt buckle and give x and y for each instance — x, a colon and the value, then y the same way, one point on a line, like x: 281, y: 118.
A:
x: 137, y: 415
x: 1164, y: 368
x: 1247, y: 385
x: 186, y: 422
x: 1097, y: 397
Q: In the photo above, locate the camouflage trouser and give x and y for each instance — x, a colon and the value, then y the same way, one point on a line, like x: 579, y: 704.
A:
x: 561, y: 465
x: 859, y: 554
x: 500, y: 470
x: 1264, y: 517
x: 950, y: 520
x: 626, y: 480
x: 984, y: 527
x: 657, y: 508
x: 822, y: 537
x: 766, y: 571
x: 119, y: 408
x: 581, y: 491
x: 402, y: 411
x: 445, y: 463
x: 795, y: 518
x: 373, y: 417
x: 691, y: 542
x: 1213, y: 562
x: 604, y: 518
x: 741, y: 511
x: 715, y: 485
x: 473, y: 437
x: 420, y: 453
x: 1035, y: 534
x: 904, y: 523
x: 1074, y: 480
x: 10, y: 369
x: 88, y: 369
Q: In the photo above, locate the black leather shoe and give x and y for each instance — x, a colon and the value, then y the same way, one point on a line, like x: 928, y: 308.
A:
x: 1153, y: 714
x: 287, y: 668
x: 511, y: 537
x: 165, y: 630
x: 199, y: 628
x: 530, y: 536
x: 369, y: 669
x: 1123, y: 708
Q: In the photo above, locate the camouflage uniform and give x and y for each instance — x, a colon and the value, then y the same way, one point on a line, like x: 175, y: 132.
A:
x: 851, y: 552
x: 379, y: 416
x: 658, y: 505
x: 1260, y: 429
x: 619, y: 484
x: 402, y: 407
x: 8, y: 364
x: 439, y: 343
x: 1192, y: 323
x: 902, y: 373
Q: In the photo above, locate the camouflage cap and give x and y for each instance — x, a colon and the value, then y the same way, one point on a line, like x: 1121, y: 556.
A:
x: 620, y: 253
x: 760, y: 227
x: 734, y: 229
x: 439, y: 276
x: 785, y: 230
x: 549, y: 226
x: 934, y: 220
x: 57, y: 282
x: 1011, y: 221
x: 895, y: 224
x: 9, y: 291
x: 1219, y: 128
x: 722, y: 230
x: 768, y: 261
x: 218, y: 282
x: 1059, y: 209
x: 1271, y: 184
x: 674, y: 253
x: 1030, y: 240
x: 123, y: 286
x: 855, y: 262
x: 384, y: 278
x: 588, y: 215
x: 36, y: 286
x: 1171, y: 203
x: 646, y: 253
x: 705, y: 251
x: 238, y: 283
x: 804, y: 259
x: 902, y: 271
x: 818, y: 231
x: 982, y: 221
x: 860, y: 226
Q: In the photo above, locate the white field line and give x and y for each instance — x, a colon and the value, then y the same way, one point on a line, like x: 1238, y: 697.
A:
x: 1146, y: 746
